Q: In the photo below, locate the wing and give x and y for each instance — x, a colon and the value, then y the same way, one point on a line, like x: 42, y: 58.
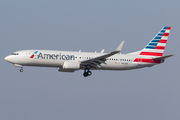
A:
x: 97, y: 61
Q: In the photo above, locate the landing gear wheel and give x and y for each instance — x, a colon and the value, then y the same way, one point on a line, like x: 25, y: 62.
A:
x: 85, y: 74
x: 21, y: 70
x: 89, y: 73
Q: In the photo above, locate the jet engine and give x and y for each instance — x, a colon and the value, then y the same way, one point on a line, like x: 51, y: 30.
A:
x: 71, y: 66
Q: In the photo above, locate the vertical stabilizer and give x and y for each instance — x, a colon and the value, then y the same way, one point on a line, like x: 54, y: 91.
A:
x: 155, y: 48
x: 157, y: 45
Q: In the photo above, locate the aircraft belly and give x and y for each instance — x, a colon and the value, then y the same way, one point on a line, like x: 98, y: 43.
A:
x: 115, y: 66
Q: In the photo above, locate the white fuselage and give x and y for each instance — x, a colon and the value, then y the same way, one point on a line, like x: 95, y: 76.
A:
x: 50, y: 58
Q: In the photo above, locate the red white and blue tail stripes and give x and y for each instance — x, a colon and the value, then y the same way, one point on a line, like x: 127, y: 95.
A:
x: 159, y: 41
x: 155, y: 47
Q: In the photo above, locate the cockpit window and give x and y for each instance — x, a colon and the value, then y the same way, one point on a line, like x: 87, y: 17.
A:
x: 15, y: 53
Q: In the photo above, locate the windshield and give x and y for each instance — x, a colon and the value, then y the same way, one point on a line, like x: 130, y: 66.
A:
x: 15, y: 53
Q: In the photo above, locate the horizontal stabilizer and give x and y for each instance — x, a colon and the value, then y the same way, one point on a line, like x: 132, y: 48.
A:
x: 162, y: 58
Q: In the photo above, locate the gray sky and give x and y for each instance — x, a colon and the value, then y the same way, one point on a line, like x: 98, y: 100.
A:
x: 45, y: 93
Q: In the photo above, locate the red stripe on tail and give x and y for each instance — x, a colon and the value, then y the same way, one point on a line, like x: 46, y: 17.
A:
x: 166, y: 34
x: 160, y: 47
x: 169, y: 28
x: 162, y: 41
x: 151, y: 54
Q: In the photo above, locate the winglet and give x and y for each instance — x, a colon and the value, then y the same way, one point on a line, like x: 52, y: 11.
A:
x: 118, y: 49
x: 102, y: 51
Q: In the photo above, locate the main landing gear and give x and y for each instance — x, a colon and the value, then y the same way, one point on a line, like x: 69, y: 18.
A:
x: 87, y: 72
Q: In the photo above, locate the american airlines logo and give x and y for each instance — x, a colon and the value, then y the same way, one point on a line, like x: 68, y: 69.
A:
x: 54, y: 56
x: 32, y: 56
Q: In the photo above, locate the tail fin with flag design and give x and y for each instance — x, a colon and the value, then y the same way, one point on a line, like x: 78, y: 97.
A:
x: 155, y: 48
x: 157, y: 45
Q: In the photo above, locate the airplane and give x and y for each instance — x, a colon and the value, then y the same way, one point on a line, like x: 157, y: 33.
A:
x: 70, y: 61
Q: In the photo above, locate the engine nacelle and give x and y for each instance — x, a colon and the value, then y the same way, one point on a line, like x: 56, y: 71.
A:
x: 71, y: 66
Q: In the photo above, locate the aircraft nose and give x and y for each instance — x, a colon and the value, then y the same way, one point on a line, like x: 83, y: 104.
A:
x: 8, y: 58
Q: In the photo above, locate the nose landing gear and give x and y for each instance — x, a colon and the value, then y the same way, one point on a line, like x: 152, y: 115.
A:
x: 87, y: 72
x: 17, y: 65
x: 21, y: 70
